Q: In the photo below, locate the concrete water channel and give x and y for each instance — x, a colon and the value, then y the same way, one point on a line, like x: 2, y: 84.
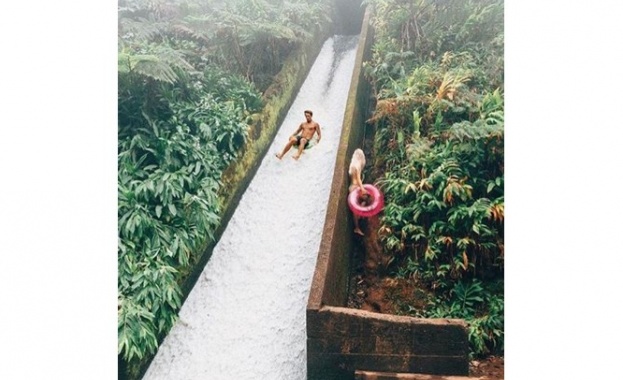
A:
x: 245, y: 316
x: 271, y: 301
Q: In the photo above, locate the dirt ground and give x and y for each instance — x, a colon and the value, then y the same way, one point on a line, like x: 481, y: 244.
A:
x: 373, y: 292
x: 491, y: 368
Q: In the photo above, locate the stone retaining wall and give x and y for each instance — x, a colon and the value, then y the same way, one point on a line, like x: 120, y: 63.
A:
x: 341, y: 340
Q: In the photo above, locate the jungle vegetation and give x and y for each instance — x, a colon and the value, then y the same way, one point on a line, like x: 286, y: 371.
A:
x: 437, y: 73
x: 190, y: 75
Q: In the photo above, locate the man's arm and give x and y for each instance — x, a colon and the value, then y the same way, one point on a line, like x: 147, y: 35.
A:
x: 300, y: 128
x: 318, y: 131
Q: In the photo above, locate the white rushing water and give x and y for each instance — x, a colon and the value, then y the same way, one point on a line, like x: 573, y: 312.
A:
x: 245, y: 316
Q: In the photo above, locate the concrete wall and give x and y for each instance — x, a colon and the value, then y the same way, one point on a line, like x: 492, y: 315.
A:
x: 341, y: 340
x: 336, y: 236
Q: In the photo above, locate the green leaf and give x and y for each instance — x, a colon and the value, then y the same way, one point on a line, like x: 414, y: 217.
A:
x: 476, y: 228
x: 172, y: 209
x: 490, y: 187
x: 158, y: 211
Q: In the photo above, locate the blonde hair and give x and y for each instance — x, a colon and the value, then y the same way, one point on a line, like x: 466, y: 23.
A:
x: 357, y: 162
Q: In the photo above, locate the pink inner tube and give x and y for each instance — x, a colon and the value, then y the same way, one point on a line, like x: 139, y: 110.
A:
x: 366, y: 211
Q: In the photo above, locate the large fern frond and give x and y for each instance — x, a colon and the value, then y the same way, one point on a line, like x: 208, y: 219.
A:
x: 158, y: 63
x: 466, y: 131
x: 141, y: 29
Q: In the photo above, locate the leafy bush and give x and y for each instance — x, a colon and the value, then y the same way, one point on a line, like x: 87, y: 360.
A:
x: 176, y: 135
x: 483, y: 309
x: 446, y: 203
x: 168, y: 210
x: 169, y: 177
x: 437, y: 73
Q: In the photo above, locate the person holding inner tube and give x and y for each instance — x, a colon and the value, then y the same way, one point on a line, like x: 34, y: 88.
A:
x: 357, y: 162
x: 302, y: 136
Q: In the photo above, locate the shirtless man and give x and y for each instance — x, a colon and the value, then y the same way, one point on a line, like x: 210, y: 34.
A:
x: 302, y: 136
x: 357, y: 162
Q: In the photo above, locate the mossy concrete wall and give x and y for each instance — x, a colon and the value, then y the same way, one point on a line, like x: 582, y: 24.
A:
x: 341, y: 340
x: 277, y: 101
x: 336, y: 236
x: 330, y: 280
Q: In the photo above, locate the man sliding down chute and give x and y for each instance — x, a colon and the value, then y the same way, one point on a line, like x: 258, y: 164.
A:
x: 304, y: 134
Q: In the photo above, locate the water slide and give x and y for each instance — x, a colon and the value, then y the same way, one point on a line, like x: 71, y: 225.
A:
x: 245, y: 316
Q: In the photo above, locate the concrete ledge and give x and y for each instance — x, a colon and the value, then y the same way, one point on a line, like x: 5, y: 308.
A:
x: 342, y: 340
x: 371, y: 375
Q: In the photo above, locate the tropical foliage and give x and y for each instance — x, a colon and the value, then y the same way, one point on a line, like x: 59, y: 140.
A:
x: 190, y: 76
x: 437, y: 73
